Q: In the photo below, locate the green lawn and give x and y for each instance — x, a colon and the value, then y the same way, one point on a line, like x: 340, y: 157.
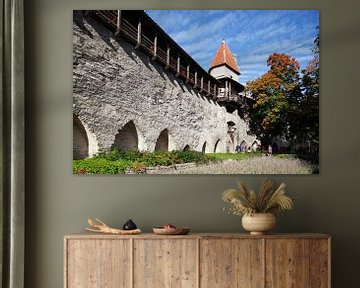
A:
x: 236, y: 156
x: 118, y: 162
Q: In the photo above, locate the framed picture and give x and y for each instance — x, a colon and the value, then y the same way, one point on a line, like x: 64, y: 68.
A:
x: 196, y: 92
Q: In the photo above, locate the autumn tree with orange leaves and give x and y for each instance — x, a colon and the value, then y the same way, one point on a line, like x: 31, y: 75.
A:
x: 276, y: 95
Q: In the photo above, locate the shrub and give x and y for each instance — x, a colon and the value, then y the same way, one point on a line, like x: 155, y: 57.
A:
x: 99, y: 166
x: 117, y: 161
x: 191, y: 157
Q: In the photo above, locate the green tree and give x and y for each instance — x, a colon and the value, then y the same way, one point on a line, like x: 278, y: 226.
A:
x: 276, y: 94
x: 306, y: 123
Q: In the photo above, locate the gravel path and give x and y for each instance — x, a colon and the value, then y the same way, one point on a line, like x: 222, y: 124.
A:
x: 258, y: 165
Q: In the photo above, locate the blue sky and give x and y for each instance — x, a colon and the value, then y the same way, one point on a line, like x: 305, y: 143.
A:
x: 250, y: 34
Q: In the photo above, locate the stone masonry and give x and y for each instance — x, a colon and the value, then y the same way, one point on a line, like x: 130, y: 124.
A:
x: 122, y: 98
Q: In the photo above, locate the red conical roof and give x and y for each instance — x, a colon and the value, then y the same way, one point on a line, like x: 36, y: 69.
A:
x: 224, y: 57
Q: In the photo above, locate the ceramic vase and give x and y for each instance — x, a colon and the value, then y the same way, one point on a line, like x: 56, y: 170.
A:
x: 259, y: 223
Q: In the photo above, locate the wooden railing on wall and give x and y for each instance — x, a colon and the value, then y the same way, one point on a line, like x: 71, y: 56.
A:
x: 205, y: 84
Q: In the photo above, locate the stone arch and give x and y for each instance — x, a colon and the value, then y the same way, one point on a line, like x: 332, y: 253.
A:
x: 216, y: 145
x: 162, y: 143
x: 80, y: 140
x: 243, y: 146
x: 127, y: 137
x: 203, y: 149
x: 186, y: 148
x: 254, y: 146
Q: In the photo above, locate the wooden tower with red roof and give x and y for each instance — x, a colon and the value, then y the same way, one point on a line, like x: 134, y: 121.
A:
x: 225, y: 69
x: 224, y: 64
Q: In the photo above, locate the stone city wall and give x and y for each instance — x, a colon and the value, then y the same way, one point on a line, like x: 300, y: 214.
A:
x: 122, y: 98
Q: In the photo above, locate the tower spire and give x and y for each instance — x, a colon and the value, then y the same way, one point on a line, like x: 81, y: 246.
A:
x: 224, y: 57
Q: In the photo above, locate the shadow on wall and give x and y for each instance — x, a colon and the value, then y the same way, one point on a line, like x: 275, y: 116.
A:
x: 162, y: 143
x: 203, y: 149
x: 186, y: 148
x: 216, y: 145
x: 80, y: 140
x: 127, y: 138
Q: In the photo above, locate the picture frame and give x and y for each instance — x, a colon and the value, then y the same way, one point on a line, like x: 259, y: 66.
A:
x: 143, y: 105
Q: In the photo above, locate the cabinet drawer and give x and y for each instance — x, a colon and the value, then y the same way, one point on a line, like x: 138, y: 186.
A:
x: 165, y: 263
x: 98, y: 263
x: 231, y: 263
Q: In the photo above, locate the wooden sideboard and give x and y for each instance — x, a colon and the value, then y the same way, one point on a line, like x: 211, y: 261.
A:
x: 197, y: 261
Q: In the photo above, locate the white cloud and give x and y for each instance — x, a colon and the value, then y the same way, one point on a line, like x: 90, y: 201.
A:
x: 215, y: 26
x: 252, y: 35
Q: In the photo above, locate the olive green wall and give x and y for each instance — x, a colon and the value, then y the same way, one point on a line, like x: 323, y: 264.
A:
x: 59, y: 203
